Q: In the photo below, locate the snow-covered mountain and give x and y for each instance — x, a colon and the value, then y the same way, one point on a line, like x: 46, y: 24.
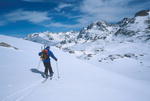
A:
x: 21, y: 78
x: 53, y: 38
x: 137, y: 27
x: 95, y: 38
x: 97, y: 30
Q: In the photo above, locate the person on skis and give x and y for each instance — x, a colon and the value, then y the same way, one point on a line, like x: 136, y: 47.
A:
x: 45, y: 56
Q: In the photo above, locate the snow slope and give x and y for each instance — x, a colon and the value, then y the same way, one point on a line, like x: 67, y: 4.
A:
x: 79, y: 81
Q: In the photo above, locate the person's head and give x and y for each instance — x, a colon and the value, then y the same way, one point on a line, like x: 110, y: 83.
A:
x: 48, y: 47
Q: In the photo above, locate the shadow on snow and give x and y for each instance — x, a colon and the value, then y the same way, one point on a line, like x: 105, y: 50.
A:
x: 34, y: 70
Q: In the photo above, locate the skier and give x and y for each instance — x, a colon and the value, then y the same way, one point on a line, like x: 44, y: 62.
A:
x: 45, y: 56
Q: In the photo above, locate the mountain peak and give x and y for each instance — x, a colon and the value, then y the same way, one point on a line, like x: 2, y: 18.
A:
x: 142, y: 13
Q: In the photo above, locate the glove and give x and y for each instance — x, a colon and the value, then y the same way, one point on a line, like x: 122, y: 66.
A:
x: 56, y: 59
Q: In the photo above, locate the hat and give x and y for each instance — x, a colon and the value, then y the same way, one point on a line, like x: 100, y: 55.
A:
x: 47, y: 47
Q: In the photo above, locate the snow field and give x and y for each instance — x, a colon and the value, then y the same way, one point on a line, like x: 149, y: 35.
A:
x: 79, y: 81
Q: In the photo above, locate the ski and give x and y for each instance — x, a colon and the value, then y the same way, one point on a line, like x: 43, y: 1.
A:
x: 51, y: 78
x: 44, y: 80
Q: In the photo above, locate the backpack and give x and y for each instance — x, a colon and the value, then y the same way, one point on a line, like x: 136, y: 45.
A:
x: 44, y: 54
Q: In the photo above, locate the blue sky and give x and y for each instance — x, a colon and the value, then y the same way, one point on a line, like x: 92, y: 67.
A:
x: 21, y: 17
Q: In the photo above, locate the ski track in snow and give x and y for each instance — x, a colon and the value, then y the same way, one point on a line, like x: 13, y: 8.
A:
x: 22, y: 93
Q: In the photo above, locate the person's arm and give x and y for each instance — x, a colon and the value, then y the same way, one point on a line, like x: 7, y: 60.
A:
x: 50, y: 53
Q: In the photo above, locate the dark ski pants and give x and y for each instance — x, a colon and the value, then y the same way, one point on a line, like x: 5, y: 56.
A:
x: 48, y: 67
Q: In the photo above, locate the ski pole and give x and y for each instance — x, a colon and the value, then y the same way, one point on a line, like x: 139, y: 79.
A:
x: 57, y: 70
x: 38, y: 64
x: 40, y: 60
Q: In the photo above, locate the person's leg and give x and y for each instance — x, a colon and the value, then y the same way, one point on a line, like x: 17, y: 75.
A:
x: 46, y: 68
x: 50, y: 69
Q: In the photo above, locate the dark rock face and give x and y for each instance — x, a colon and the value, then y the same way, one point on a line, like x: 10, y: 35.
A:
x: 95, y: 31
x: 142, y: 13
x: 125, y: 32
x: 125, y: 21
x: 3, y: 44
x: 90, y: 26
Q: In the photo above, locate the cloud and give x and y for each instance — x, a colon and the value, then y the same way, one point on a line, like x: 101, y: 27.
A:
x: 61, y: 25
x: 2, y: 23
x: 62, y: 6
x: 108, y: 10
x: 31, y: 16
